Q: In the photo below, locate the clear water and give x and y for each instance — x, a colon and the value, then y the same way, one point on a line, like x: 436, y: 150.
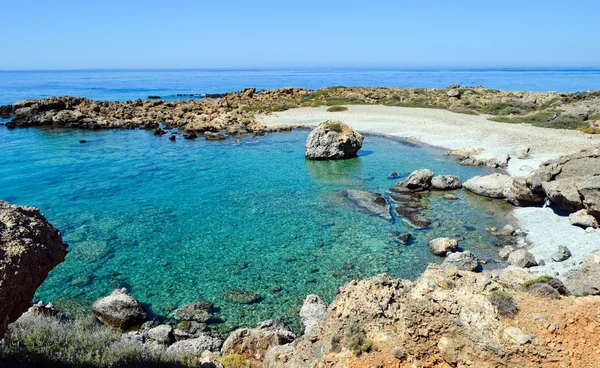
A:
x: 186, y: 221
x: 130, y: 84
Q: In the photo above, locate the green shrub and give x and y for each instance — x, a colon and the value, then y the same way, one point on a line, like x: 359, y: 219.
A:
x: 537, y: 280
x: 337, y: 108
x: 463, y: 110
x: 356, y: 339
x: 336, y: 127
x: 502, y: 108
x: 234, y: 361
x: 504, y: 302
x: 36, y: 340
x: 590, y: 130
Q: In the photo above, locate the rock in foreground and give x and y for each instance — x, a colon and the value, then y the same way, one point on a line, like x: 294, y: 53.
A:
x: 333, y: 140
x: 119, y: 310
x: 29, y: 248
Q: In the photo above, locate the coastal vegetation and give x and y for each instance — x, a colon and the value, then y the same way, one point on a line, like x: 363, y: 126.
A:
x: 504, y: 302
x: 337, y: 108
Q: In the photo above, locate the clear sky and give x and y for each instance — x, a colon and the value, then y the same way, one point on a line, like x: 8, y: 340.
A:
x: 66, y: 34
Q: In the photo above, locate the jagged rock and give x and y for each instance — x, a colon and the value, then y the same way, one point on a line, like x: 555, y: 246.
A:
x: 519, y: 194
x: 195, y: 347
x: 441, y: 246
x: 498, y: 161
x: 515, y: 334
x: 273, y: 325
x: 6, y: 111
x: 162, y: 334
x: 570, y: 182
x: 583, y: 279
x: 561, y: 254
x: 333, y: 140
x: 312, y: 312
x: 464, y: 261
x: 29, y: 248
x: 453, y: 93
x: 188, y: 330
x: 521, y: 258
x: 446, y: 182
x: 493, y: 185
x: 159, y: 132
x: 255, y: 342
x: 584, y: 219
x: 211, y: 136
x: 371, y: 202
x: 119, y: 310
x: 417, y: 181
x: 505, y: 251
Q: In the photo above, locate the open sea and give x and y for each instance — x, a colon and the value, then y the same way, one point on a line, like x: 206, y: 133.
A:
x: 177, y: 222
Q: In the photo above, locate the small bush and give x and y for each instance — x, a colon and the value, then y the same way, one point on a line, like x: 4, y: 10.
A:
x: 463, y: 110
x: 537, y: 280
x: 336, y: 127
x: 337, y: 108
x: 356, y: 339
x: 234, y: 361
x: 501, y: 108
x: 504, y: 302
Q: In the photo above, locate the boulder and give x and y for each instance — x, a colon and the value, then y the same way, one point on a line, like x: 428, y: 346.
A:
x: 274, y: 324
x: 521, y: 258
x: 119, y: 310
x: 333, y: 140
x: 493, y: 185
x: 417, y: 181
x: 561, y: 254
x: 441, y: 246
x: 162, y: 334
x: 255, y: 342
x: 446, y: 182
x: 196, y: 346
x: 583, y: 279
x: 312, y: 312
x: 584, y: 219
x: 464, y: 261
x: 519, y: 194
x: 505, y: 251
x: 454, y: 92
x: 211, y: 136
x: 371, y: 202
x: 29, y: 248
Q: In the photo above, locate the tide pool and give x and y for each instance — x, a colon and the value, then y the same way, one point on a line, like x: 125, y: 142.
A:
x: 176, y: 222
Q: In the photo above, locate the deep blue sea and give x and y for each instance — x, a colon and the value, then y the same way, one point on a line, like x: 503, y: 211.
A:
x: 176, y: 222
x: 133, y: 84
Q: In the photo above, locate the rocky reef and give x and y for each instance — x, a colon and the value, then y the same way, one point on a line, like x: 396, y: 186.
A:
x: 29, y: 248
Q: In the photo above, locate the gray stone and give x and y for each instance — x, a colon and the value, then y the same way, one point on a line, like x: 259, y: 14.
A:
x: 333, y: 140
x: 584, y: 279
x: 371, y: 202
x: 517, y: 335
x: 493, y: 185
x: 584, y: 219
x: 521, y: 258
x: 273, y: 325
x: 119, y: 310
x: 312, y: 312
x: 195, y: 347
x: 441, y: 246
x: 464, y: 261
x: 446, y: 182
x: 418, y: 180
x: 162, y: 334
x: 505, y: 251
x: 561, y: 254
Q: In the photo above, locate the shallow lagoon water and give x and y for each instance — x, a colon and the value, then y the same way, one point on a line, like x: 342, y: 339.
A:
x: 176, y: 222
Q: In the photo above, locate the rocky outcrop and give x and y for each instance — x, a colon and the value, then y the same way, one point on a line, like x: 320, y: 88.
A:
x: 570, y: 182
x: 371, y: 202
x: 29, y: 248
x: 6, y: 111
x: 464, y: 261
x: 493, y: 185
x: 119, y: 310
x: 196, y: 346
x: 584, y: 219
x: 254, y: 342
x: 333, y: 140
x: 312, y: 312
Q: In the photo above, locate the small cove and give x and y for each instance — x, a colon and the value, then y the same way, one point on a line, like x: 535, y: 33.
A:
x: 190, y: 220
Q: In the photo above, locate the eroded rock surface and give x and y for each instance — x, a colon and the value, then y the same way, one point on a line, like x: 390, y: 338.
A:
x: 120, y: 310
x: 29, y: 248
x: 333, y: 140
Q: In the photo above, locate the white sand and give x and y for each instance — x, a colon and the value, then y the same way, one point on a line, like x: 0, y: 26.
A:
x: 546, y: 230
x: 449, y: 130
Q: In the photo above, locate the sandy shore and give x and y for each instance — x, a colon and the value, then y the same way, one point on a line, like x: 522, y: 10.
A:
x: 545, y: 230
x: 449, y: 130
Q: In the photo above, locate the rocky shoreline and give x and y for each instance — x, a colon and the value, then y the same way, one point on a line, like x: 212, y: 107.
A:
x: 453, y: 315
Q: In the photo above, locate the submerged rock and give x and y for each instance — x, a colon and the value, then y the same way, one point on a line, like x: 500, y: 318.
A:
x: 333, y: 140
x: 197, y: 311
x: 240, y: 297
x: 441, y: 246
x: 404, y: 239
x: 29, y: 248
x: 371, y: 202
x: 119, y: 310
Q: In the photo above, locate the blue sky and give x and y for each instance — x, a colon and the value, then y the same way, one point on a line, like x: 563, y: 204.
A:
x: 62, y: 34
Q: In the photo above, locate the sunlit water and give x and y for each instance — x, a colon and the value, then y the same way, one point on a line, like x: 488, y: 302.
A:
x: 186, y: 221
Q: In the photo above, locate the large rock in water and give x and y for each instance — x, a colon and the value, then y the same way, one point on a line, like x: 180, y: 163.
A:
x: 29, y: 248
x: 493, y: 185
x: 333, y: 140
x: 571, y: 182
x: 119, y: 310
x: 312, y: 312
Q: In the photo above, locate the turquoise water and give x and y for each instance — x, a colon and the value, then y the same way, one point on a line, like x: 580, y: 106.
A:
x: 133, y: 84
x: 186, y: 221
